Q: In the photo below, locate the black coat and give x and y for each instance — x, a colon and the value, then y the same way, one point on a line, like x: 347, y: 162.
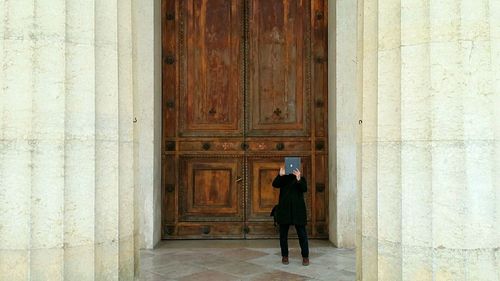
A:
x: 292, y: 207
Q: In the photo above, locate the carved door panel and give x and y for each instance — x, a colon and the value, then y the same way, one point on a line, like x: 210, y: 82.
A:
x: 210, y: 69
x: 284, y: 36
x: 277, y: 50
x: 211, y: 197
x: 203, y: 159
x: 278, y: 68
x: 262, y: 196
x: 244, y: 85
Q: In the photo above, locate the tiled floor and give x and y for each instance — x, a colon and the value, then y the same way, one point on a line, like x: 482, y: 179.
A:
x: 245, y: 260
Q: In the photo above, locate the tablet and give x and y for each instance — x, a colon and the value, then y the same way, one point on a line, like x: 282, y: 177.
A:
x: 291, y: 163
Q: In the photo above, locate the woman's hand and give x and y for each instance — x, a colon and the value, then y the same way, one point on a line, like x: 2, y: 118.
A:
x: 296, y: 172
x: 282, y: 171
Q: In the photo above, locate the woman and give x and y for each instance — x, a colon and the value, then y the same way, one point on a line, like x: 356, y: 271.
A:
x: 292, y: 210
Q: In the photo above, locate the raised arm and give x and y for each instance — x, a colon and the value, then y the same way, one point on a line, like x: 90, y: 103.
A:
x: 302, y: 184
x: 278, y: 182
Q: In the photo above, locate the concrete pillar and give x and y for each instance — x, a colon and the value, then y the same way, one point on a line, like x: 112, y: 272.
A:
x: 429, y: 197
x: 66, y: 145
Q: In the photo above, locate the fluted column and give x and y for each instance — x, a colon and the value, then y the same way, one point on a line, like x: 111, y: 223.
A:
x: 430, y: 195
x: 66, y: 150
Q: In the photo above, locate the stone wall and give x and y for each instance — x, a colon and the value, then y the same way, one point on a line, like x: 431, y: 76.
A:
x: 148, y: 88
x: 66, y: 145
x: 429, y: 195
x: 344, y: 119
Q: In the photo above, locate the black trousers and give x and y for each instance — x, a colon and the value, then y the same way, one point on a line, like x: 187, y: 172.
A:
x: 301, y: 232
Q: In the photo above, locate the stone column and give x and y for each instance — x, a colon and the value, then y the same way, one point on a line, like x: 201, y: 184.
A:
x: 66, y: 145
x: 429, y: 200
x: 343, y: 121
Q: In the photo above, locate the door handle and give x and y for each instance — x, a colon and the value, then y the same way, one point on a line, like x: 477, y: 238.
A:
x: 239, y: 179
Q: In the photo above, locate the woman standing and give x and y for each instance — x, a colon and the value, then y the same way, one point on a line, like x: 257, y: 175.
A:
x: 292, y: 211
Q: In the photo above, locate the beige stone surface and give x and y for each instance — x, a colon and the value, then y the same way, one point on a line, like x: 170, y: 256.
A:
x: 343, y: 122
x: 430, y: 141
x: 246, y: 260
x: 147, y: 109
x: 66, y: 150
x: 366, y: 244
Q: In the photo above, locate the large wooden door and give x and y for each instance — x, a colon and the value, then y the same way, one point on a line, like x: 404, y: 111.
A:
x: 244, y: 84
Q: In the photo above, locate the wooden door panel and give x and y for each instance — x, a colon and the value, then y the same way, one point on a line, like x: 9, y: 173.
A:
x: 210, y: 230
x: 210, y: 189
x: 212, y: 145
x: 169, y: 190
x: 170, y: 31
x: 274, y: 145
x: 244, y: 85
x: 262, y: 194
x: 321, y: 188
x: 259, y: 230
x: 211, y: 68
x: 319, y: 76
x: 278, y: 67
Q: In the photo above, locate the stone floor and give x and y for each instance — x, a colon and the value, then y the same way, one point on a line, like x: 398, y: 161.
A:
x: 221, y: 260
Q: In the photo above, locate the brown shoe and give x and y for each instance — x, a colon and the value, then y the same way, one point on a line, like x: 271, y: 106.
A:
x: 305, y: 261
x: 284, y: 260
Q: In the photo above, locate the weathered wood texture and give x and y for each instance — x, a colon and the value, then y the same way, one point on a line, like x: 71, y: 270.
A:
x: 244, y: 84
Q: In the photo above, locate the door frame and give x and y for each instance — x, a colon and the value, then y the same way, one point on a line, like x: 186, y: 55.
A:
x: 311, y: 91
x: 343, y: 145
